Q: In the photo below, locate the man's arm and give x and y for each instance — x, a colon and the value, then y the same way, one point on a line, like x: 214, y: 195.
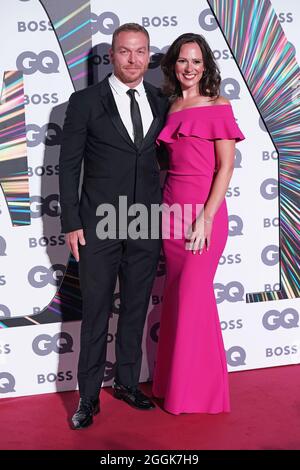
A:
x: 71, y: 155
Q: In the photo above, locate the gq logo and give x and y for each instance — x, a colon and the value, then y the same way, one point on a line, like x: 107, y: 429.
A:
x: 232, y: 292
x: 235, y: 226
x: 4, y: 311
x: 7, y: 382
x: 105, y: 23
x: 156, y: 56
x: 41, y: 206
x: 116, y: 303
x: 41, y: 276
x: 288, y: 318
x: 230, y: 88
x: 270, y: 255
x: 45, y: 62
x: 2, y: 246
x: 238, y: 159
x: 207, y: 20
x: 262, y: 124
x: 269, y: 188
x: 61, y: 343
x: 236, y: 356
x: 49, y: 134
x: 154, y: 332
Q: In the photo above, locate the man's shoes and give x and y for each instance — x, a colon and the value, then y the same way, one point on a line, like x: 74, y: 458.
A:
x: 87, y: 408
x: 133, y: 396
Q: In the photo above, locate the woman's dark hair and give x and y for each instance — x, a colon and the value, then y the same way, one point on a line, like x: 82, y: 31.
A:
x: 209, y: 84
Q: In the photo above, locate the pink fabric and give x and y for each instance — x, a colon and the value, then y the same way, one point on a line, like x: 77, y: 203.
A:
x: 191, y: 369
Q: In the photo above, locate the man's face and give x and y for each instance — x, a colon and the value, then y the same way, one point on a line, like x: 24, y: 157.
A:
x: 130, y: 57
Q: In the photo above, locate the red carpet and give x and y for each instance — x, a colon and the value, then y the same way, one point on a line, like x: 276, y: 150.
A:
x: 265, y: 415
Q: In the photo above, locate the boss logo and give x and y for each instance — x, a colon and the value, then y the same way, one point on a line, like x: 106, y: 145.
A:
x: 100, y: 60
x: 156, y: 300
x: 232, y: 292
x: 282, y: 350
x: 45, y: 62
x: 4, y: 311
x: 159, y: 21
x: 5, y: 348
x: 225, y: 54
x: 105, y: 23
x: 45, y: 98
x: 40, y: 276
x: 236, y: 356
x: 231, y: 324
x: 49, y: 134
x: 40, y: 206
x: 34, y: 26
x: 61, y: 343
x: 52, y: 377
x: 230, y: 259
x: 238, y: 159
x: 207, y: 20
x: 7, y: 382
x: 235, y: 226
x: 2, y: 246
x: 271, y: 222
x: 48, y: 170
x: 271, y: 287
x: 288, y: 318
x: 269, y: 155
x: 230, y: 88
x: 110, y: 370
x: 285, y: 17
x: 269, y: 189
x: 45, y: 241
x: 154, y: 332
x: 233, y: 192
x: 270, y: 255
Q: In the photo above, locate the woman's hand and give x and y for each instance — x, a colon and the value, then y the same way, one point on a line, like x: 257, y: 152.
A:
x: 199, y: 234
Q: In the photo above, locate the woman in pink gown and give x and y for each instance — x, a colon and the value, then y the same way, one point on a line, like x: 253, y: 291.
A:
x: 200, y: 135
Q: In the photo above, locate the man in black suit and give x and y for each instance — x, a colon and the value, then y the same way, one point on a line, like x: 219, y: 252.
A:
x: 112, y: 127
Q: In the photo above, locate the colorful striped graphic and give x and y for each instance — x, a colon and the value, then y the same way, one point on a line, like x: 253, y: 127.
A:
x: 72, y: 25
x: 13, y: 153
x: 267, y: 62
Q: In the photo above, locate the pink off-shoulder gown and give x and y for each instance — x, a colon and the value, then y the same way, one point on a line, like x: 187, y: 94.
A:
x: 191, y: 370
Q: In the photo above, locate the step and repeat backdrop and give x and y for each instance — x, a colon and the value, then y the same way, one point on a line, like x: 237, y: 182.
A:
x: 51, y: 48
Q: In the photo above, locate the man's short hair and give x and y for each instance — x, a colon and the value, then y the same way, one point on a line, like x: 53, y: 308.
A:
x: 134, y: 27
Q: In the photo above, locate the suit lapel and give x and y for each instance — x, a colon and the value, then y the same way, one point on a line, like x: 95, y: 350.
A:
x: 112, y: 110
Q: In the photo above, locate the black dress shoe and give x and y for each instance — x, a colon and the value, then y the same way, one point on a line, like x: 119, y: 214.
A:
x: 87, y: 408
x: 133, y: 396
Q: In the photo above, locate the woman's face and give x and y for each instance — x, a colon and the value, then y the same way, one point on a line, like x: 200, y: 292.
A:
x: 189, y: 66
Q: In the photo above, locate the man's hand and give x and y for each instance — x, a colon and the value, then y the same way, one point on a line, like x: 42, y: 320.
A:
x: 72, y: 239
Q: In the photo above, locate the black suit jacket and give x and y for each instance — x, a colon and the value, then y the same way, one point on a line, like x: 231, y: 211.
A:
x: 113, y: 166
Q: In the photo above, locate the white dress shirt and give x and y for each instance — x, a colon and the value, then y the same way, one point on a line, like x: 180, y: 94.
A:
x: 122, y: 100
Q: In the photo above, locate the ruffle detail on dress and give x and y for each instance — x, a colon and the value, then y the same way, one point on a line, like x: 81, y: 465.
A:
x: 204, y: 126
